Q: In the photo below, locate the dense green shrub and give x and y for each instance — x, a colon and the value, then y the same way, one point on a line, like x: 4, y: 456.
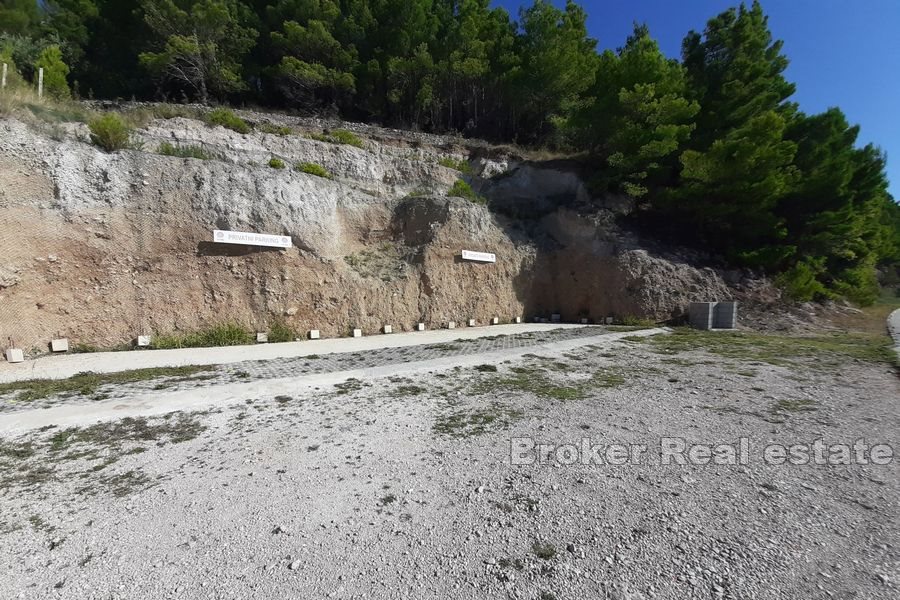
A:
x: 461, y: 189
x: 276, y: 163
x: 167, y: 149
x: 228, y: 120
x: 314, y: 169
x: 110, y: 132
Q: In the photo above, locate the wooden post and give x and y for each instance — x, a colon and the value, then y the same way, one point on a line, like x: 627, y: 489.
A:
x: 40, y: 83
x: 3, y: 78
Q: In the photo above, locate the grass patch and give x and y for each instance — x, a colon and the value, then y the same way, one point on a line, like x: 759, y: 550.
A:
x: 486, y: 368
x: 543, y: 550
x: 276, y: 163
x: 461, y: 165
x: 349, y: 386
x: 531, y: 380
x: 471, y: 422
x: 314, y: 169
x: 793, y: 406
x: 339, y: 136
x: 189, y: 151
x: 224, y: 334
x: 461, y: 189
x: 89, y: 384
x: 408, y: 390
x: 780, y: 350
x: 275, y: 129
x: 280, y: 332
x: 227, y: 119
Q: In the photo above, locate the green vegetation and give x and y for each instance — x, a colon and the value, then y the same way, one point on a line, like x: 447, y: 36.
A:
x: 280, y: 331
x: 461, y: 189
x: 276, y: 163
x: 110, y: 132
x: 468, y: 422
x: 55, y: 72
x: 275, y: 129
x: 712, y: 144
x: 225, y: 334
x: 813, y: 351
x: 342, y: 136
x: 314, y: 169
x: 88, y: 384
x: 338, y: 136
x: 461, y: 165
x: 228, y: 120
x: 190, y: 151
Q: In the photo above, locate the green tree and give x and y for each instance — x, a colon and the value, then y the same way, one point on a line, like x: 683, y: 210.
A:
x: 55, y: 72
x: 202, y: 45
x: 19, y: 17
x: 559, y: 62
x: 315, y: 67
x: 638, y: 118
x: 736, y: 72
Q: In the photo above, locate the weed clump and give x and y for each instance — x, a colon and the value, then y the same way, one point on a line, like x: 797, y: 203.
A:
x: 461, y: 189
x: 110, y: 132
x: 228, y: 120
x: 225, y: 334
x: 314, y: 169
x: 276, y: 163
x: 191, y: 151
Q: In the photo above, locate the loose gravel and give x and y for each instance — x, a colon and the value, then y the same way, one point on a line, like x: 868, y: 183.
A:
x: 402, y: 488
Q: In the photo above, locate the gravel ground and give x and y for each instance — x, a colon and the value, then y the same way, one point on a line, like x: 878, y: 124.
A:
x: 401, y: 488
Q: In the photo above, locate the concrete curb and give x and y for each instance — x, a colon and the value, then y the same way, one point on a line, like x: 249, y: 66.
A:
x: 61, y: 367
x: 893, y: 325
x: 157, y: 403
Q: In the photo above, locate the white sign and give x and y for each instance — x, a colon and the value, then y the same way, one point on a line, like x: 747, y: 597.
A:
x: 479, y: 256
x: 251, y: 239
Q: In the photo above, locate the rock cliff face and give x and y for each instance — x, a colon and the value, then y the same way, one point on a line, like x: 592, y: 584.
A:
x: 101, y: 247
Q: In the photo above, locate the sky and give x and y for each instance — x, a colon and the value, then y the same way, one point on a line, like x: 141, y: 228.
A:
x: 843, y: 53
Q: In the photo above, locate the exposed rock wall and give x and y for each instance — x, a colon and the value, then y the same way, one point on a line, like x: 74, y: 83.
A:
x: 100, y: 247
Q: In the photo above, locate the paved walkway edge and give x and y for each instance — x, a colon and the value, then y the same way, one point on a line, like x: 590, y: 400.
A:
x: 893, y: 325
x: 201, y: 398
x: 63, y: 366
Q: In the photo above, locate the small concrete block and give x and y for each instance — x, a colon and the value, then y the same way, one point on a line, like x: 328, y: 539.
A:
x: 420, y: 327
x: 555, y: 318
x: 725, y: 315
x: 451, y: 324
x: 517, y: 320
x: 15, y: 355
x: 701, y: 315
x: 609, y: 320
x: 314, y: 334
x: 471, y: 322
x: 584, y: 321
x: 262, y: 338
x: 388, y: 329
x: 543, y: 320
x: 357, y: 333
x: 60, y: 345
x: 142, y: 341
x: 495, y: 321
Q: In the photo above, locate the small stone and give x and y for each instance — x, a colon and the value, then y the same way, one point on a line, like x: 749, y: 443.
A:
x: 294, y: 565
